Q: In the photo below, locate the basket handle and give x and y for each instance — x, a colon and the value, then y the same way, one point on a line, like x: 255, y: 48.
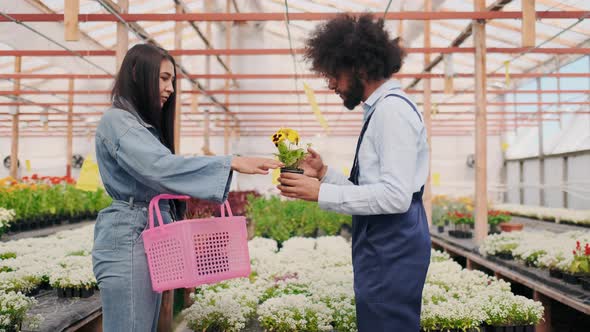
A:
x: 225, y: 206
x: 155, y: 206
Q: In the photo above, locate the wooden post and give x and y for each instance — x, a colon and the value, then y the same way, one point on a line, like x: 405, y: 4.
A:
x: 178, y: 25
x: 71, y: 11
x: 122, y: 35
x: 520, y: 182
x: 427, y: 116
x: 206, y: 133
x: 187, y: 297
x: 541, y: 153
x: 165, y: 320
x: 469, y: 264
x: 528, y: 23
x: 565, y: 179
x: 206, y: 116
x: 15, y: 123
x: 545, y: 323
x: 481, y: 197
x: 70, y: 130
x: 448, y: 63
x: 226, y: 129
x: 559, y: 110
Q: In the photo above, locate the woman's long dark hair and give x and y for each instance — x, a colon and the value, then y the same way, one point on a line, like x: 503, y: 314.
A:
x: 138, y: 82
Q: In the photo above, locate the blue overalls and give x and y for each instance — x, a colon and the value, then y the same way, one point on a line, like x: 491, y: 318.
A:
x: 390, y: 256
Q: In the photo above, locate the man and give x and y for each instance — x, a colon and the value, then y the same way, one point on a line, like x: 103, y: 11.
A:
x: 390, y: 240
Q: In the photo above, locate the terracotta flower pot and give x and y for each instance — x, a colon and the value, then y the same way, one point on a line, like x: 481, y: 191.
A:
x: 510, y: 227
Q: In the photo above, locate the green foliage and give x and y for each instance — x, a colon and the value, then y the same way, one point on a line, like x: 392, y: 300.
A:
x: 291, y: 158
x: 7, y: 255
x: 62, y: 201
x: 281, y: 220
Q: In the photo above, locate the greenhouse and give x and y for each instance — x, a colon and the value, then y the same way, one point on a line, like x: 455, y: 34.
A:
x: 302, y: 165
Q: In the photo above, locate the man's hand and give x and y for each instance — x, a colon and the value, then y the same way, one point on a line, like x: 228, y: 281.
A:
x: 299, y: 186
x: 313, y: 166
x: 251, y: 165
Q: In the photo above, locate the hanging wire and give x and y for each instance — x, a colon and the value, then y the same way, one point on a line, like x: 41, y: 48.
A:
x: 571, y: 26
x: 387, y: 9
x: 12, y: 19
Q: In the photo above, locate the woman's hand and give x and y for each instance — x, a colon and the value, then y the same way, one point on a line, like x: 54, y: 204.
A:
x: 252, y: 165
x: 313, y: 166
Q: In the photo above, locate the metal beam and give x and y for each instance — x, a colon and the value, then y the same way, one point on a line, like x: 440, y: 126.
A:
x: 244, y: 17
x: 286, y: 51
x: 496, y: 7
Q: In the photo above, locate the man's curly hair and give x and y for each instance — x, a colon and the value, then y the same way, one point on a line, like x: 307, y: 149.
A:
x: 357, y: 44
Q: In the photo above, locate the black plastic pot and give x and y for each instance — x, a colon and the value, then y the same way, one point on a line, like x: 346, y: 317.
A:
x: 505, y: 255
x: 571, y: 278
x: 555, y: 273
x: 292, y: 170
x: 522, y: 328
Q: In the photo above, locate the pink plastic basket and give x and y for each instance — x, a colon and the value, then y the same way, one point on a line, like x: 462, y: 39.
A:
x: 189, y: 253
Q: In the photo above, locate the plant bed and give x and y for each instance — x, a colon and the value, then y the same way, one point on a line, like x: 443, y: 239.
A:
x: 585, y: 281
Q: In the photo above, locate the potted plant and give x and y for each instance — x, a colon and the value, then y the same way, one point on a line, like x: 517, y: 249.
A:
x: 462, y: 222
x: 495, y: 218
x: 511, y: 227
x: 579, y: 269
x: 287, y: 142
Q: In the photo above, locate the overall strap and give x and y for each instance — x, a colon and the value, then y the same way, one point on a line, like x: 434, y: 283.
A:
x: 354, y: 173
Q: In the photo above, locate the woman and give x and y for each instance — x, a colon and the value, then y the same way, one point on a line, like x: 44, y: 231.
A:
x: 135, y: 153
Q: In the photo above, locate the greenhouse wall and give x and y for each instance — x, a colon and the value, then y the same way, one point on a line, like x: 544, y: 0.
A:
x: 577, y: 183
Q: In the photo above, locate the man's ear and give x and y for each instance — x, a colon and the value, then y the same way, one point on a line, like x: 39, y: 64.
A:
x: 362, y: 75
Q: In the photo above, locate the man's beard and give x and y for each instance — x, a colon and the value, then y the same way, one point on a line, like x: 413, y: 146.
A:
x: 354, y: 93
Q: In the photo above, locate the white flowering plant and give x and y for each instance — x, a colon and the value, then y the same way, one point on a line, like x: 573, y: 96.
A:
x: 62, y: 259
x: 558, y: 215
x: 13, y: 310
x: 6, y: 218
x: 540, y: 249
x: 307, y: 285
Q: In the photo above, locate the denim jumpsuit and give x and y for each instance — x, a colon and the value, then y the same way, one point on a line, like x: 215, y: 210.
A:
x: 135, y: 166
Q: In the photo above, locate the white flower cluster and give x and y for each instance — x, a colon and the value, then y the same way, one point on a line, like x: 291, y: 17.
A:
x: 541, y: 249
x: 13, y: 309
x: 454, y: 298
x: 439, y: 256
x: 308, y: 286
x: 502, y: 243
x: 546, y: 213
x: 6, y: 217
x: 63, y: 258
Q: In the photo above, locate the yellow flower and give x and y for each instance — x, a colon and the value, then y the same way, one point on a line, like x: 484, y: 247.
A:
x: 291, y: 134
x: 278, y: 137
